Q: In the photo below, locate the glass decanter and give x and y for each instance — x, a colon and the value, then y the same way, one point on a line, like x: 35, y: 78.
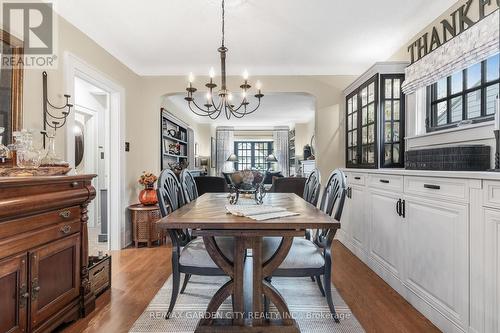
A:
x: 51, y: 158
x: 4, y: 151
x: 15, y: 146
x: 28, y: 157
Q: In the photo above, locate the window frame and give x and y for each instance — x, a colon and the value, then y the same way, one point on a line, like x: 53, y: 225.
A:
x: 252, y: 150
x: 432, y: 100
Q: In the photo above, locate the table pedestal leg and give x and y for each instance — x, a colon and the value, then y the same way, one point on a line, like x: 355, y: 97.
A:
x: 253, y: 320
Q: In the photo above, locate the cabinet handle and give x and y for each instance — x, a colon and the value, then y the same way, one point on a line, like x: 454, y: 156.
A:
x: 398, y: 207
x: 403, y: 208
x: 74, y: 184
x: 65, y: 229
x: 385, y: 181
x: 357, y: 178
x: 35, y: 288
x: 432, y: 187
x: 99, y: 270
x: 65, y: 214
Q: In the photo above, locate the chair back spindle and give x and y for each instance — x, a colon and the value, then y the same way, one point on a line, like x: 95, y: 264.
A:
x: 188, y: 185
x: 312, y: 187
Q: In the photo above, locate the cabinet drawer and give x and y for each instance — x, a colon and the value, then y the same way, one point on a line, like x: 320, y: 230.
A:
x: 354, y: 178
x: 440, y: 188
x: 491, y: 194
x: 26, y: 241
x: 386, y: 182
x: 25, y: 224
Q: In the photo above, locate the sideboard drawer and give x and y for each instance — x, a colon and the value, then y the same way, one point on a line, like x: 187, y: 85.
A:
x: 491, y: 193
x: 439, y: 188
x: 25, y: 224
x: 354, y: 178
x: 386, y: 182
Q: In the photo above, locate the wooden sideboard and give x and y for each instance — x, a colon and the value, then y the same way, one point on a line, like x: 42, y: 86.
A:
x: 44, y: 278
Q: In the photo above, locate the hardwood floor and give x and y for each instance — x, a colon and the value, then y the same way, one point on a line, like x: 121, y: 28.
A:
x: 138, y: 274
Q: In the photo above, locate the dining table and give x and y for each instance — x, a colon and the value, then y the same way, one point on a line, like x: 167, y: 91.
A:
x: 248, y: 285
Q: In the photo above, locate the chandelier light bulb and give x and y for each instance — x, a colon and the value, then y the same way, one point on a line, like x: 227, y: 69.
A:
x: 258, y: 85
x: 245, y: 75
x: 230, y: 97
x: 191, y: 77
x: 208, y: 96
x: 244, y: 94
x: 211, y: 73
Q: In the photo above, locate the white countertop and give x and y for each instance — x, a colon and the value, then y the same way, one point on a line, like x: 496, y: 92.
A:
x: 431, y: 173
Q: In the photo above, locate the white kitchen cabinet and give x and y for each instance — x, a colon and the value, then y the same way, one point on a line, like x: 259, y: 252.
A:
x: 492, y: 270
x: 385, y: 241
x: 357, y: 226
x: 436, y: 255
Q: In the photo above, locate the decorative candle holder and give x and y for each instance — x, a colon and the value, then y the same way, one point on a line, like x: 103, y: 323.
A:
x: 497, y: 152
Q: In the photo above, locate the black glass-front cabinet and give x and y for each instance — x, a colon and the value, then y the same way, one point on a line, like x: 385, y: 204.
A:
x: 375, y: 123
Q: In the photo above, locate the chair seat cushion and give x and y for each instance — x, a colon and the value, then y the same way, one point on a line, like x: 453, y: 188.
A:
x: 194, y: 253
x: 303, y: 253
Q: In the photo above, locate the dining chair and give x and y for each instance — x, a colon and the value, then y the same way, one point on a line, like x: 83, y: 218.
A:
x: 312, y: 187
x: 208, y: 184
x: 189, y: 255
x: 188, y: 185
x: 288, y: 185
x: 313, y: 258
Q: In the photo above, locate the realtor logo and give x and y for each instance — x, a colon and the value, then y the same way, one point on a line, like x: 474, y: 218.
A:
x: 33, y: 23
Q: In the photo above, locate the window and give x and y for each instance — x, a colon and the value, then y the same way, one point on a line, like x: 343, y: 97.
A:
x: 252, y: 154
x: 466, y: 95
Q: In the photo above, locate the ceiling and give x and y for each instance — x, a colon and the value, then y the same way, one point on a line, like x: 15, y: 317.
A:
x: 277, y: 109
x: 278, y: 37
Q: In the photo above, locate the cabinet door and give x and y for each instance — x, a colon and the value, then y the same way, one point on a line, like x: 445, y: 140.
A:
x: 357, y: 225
x: 13, y: 294
x: 385, y: 230
x: 55, y: 277
x: 436, y: 255
x: 492, y: 266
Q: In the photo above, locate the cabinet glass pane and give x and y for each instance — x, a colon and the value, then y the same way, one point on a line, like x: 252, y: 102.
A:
x: 492, y: 68
x: 474, y: 76
x: 395, y: 152
x: 388, y: 132
x: 364, y: 96
x: 365, y: 115
x: 388, y: 110
x: 388, y: 88
x: 355, y: 120
x: 365, y: 135
x: 371, y: 113
x: 371, y: 154
x: 474, y: 104
x: 387, y: 154
x: 397, y: 88
x: 441, y: 113
x: 355, y: 138
x: 349, y: 139
x: 349, y: 123
x: 371, y: 134
x: 457, y: 82
x: 349, y: 105
x: 355, y: 102
x: 396, y: 131
x: 371, y: 92
x: 456, y: 109
x: 396, y: 110
x: 365, y: 154
x: 491, y: 95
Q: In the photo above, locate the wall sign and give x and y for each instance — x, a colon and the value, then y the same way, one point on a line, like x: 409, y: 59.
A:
x: 460, y: 20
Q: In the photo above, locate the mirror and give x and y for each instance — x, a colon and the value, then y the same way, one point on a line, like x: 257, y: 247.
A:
x: 11, y: 87
x: 79, y: 143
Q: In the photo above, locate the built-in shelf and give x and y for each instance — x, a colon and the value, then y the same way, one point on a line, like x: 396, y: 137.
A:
x: 175, y: 139
x: 168, y: 143
x: 173, y: 155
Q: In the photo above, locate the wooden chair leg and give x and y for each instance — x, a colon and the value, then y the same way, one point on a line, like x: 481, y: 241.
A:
x: 320, y: 285
x: 266, y: 300
x: 184, y: 284
x: 176, y: 281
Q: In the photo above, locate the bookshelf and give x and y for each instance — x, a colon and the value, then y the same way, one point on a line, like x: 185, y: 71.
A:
x: 175, y: 145
x: 291, y: 152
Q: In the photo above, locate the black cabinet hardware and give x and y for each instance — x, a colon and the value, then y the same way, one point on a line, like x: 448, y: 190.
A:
x: 385, y: 181
x: 432, y: 187
x: 398, y: 207
x: 403, y: 208
x: 357, y: 178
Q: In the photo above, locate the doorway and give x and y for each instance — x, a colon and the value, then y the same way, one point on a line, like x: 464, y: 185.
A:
x: 91, y: 140
x: 110, y: 184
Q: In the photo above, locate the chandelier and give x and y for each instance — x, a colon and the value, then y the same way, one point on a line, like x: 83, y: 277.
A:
x: 213, y: 107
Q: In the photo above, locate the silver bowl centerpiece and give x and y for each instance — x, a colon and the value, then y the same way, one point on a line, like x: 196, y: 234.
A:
x: 248, y: 183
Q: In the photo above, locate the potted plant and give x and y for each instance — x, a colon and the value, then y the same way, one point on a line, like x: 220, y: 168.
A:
x: 148, y: 196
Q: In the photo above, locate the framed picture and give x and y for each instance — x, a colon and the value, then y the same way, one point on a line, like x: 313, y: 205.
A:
x: 213, y: 153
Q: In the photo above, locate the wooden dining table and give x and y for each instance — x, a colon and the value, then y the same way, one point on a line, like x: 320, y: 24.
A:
x: 208, y: 218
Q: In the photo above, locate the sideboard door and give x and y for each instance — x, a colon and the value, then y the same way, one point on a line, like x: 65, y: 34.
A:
x: 13, y: 294
x: 54, y: 276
